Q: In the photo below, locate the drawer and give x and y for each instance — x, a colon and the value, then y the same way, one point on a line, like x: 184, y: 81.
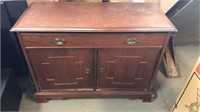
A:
x: 93, y: 40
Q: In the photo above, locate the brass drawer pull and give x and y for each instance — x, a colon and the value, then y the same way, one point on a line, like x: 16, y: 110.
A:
x: 131, y: 41
x: 59, y: 41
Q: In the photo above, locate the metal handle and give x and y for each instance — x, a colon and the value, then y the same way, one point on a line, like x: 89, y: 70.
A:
x: 131, y: 41
x: 59, y: 41
x: 87, y: 70
x: 101, y: 69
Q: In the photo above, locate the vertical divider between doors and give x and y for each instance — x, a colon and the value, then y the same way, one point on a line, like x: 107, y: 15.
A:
x: 95, y: 65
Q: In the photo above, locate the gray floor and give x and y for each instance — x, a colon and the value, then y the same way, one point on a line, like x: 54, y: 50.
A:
x: 167, y: 91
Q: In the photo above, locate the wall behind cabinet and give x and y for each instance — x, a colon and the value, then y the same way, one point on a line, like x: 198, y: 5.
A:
x: 11, y: 54
x: 165, y: 5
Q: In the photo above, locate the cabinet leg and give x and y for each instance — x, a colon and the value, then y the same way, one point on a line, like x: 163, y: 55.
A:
x: 149, y: 98
x: 40, y: 99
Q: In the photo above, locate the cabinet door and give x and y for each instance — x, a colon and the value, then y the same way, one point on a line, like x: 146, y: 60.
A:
x: 126, y: 68
x: 62, y: 68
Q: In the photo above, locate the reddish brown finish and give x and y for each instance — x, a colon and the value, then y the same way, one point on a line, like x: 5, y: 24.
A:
x: 90, y: 17
x: 62, y: 68
x: 85, y: 40
x: 95, y: 61
x: 160, y: 60
x: 146, y: 96
x: 126, y: 68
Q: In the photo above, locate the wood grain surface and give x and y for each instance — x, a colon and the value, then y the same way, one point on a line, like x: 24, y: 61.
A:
x: 93, y: 17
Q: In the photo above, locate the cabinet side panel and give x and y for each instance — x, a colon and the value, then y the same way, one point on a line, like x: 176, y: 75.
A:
x: 167, y: 37
x: 28, y: 62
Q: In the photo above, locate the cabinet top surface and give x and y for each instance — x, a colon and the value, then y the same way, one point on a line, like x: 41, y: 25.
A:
x: 93, y: 17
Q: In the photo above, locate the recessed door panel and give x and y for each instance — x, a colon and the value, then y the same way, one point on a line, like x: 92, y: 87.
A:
x: 126, y: 68
x: 63, y: 68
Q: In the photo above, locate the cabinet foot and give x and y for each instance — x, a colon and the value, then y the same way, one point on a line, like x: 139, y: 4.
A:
x: 149, y: 98
x: 39, y: 99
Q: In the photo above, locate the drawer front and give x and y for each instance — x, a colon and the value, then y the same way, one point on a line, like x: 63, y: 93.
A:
x: 93, y: 40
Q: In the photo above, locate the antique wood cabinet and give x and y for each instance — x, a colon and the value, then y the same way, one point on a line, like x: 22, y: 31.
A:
x: 77, y: 50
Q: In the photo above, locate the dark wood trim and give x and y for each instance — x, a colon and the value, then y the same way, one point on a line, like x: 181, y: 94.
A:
x: 95, y: 63
x: 147, y: 96
x: 131, y: 47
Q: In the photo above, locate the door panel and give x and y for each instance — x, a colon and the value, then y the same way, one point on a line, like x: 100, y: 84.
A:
x: 63, y: 68
x: 126, y: 68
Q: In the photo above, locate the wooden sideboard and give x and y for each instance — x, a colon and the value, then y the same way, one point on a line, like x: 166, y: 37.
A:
x: 78, y: 50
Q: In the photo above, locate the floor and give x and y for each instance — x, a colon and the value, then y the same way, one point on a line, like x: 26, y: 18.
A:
x: 167, y: 90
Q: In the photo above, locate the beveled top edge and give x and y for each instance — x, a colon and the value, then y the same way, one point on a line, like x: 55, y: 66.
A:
x: 161, y: 29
